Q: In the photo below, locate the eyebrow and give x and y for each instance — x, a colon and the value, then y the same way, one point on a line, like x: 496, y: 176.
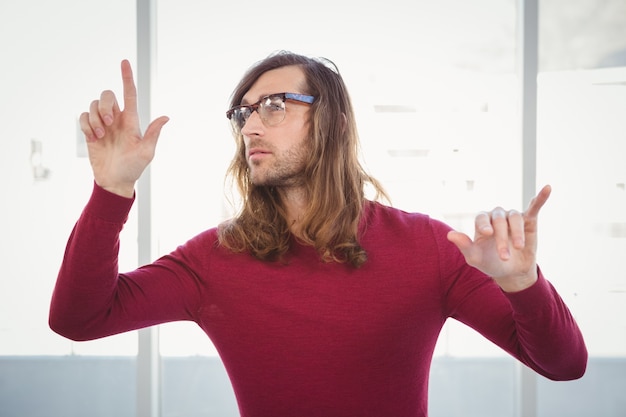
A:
x: 245, y: 102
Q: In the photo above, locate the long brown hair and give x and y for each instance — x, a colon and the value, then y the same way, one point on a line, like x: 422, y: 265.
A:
x: 336, y: 178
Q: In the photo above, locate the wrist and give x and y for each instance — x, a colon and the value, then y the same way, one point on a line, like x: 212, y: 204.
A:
x: 518, y: 283
x: 122, y: 190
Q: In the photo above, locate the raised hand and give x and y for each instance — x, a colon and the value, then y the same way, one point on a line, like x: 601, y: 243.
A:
x: 505, y: 244
x: 118, y: 152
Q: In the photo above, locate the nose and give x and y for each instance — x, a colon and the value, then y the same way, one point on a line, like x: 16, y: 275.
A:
x: 254, y: 124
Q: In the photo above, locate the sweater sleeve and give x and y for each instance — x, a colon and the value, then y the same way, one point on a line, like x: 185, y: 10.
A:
x: 549, y: 340
x: 91, y: 299
x: 533, y: 325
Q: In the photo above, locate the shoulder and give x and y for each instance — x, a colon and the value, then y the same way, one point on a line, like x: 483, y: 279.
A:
x: 377, y: 215
x: 408, y: 233
x: 203, y: 242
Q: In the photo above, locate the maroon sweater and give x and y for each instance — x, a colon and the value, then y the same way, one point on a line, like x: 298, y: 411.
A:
x: 308, y: 338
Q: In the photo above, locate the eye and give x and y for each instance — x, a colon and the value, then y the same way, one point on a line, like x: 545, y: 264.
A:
x: 273, y: 104
x: 242, y: 114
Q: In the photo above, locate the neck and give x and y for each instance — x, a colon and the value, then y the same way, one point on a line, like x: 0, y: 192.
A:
x: 295, y: 202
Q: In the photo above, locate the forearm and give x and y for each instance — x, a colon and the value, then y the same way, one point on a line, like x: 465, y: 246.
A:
x: 549, y: 340
x: 87, y: 279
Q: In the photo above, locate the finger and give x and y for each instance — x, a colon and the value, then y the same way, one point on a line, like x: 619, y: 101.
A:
x: 500, y: 232
x: 153, y: 131
x: 130, y: 91
x: 516, y: 228
x: 537, y: 203
x: 482, y: 224
x: 108, y: 107
x: 85, y: 127
x: 461, y: 241
x: 94, y: 119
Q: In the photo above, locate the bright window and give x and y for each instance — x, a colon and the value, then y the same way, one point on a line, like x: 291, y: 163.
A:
x: 435, y: 95
x: 49, y: 77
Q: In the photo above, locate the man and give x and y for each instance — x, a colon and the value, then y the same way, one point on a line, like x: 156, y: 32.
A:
x: 320, y: 302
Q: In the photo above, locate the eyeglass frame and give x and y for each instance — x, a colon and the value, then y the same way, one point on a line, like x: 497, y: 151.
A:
x: 302, y: 98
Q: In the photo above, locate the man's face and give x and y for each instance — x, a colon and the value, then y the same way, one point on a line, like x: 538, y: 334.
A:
x: 277, y: 154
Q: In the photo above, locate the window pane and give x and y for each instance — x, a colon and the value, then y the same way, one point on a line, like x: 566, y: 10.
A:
x: 581, y: 35
x: 581, y: 148
x: 436, y: 100
x: 435, y: 95
x: 49, y: 76
x: 581, y: 152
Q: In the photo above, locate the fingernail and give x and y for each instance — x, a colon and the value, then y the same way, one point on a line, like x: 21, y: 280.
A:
x: 99, y: 132
x: 486, y: 228
x: 107, y: 120
x: 498, y: 214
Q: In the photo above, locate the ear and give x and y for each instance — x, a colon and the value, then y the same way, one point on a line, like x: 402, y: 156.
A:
x: 344, y: 122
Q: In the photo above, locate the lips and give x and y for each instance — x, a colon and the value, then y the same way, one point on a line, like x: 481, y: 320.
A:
x: 253, y: 152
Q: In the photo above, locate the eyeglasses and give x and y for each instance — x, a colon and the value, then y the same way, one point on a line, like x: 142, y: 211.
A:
x: 271, y: 109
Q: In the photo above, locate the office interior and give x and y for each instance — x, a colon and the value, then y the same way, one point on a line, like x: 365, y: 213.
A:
x: 462, y: 106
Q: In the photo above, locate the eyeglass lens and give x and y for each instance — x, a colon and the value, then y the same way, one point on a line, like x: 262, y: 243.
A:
x: 271, y: 110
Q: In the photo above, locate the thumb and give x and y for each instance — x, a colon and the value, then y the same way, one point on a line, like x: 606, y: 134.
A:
x: 461, y: 241
x: 153, y: 131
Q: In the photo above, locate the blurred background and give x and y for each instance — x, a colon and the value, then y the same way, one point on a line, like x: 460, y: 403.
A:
x: 436, y: 87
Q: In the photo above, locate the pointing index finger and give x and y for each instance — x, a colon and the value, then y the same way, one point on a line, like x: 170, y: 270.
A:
x: 130, y: 91
x: 538, y: 202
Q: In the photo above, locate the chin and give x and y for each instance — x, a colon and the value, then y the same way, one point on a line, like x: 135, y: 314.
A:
x: 259, y: 182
